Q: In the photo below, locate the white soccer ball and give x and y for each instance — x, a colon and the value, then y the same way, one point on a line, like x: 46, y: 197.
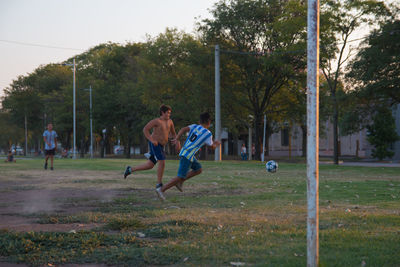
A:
x: 271, y: 166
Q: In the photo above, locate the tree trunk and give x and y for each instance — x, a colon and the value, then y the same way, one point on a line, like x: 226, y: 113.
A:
x: 235, y: 145
x: 258, y: 123
x: 82, y: 148
x: 128, y: 148
x: 304, y: 141
x: 102, y: 148
x: 335, y: 130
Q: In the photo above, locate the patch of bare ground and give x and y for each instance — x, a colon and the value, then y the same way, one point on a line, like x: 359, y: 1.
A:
x: 27, y: 195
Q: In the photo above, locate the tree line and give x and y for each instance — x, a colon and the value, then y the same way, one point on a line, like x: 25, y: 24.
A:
x: 263, y: 72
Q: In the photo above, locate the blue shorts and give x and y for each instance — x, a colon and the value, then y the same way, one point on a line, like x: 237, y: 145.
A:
x: 185, y: 164
x: 156, y: 152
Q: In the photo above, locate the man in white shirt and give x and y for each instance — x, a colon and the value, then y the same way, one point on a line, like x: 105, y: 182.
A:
x: 50, y: 141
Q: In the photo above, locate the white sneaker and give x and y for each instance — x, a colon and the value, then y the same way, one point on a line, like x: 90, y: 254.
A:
x: 160, y: 194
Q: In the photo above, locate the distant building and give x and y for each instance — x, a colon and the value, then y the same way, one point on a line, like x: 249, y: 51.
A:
x: 289, y: 142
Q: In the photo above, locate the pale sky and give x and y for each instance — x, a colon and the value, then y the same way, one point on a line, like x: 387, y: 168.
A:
x: 82, y: 24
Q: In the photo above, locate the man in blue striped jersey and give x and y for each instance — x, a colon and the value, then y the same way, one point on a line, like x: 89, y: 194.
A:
x: 197, y: 137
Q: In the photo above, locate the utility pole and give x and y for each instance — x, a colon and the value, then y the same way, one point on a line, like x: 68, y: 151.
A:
x: 26, y: 136
x: 74, y: 95
x: 91, y: 123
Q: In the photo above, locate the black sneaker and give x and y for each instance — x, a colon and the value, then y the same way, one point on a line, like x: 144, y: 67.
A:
x: 45, y: 166
x: 51, y: 168
x: 127, y: 171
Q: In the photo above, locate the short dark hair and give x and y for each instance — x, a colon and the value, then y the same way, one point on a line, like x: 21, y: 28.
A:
x: 205, y: 117
x: 164, y: 108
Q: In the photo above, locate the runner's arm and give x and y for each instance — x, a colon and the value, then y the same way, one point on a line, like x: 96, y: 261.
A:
x: 146, y: 130
x: 182, y: 131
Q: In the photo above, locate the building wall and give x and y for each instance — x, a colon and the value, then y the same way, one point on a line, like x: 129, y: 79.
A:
x: 348, y: 144
x: 355, y: 145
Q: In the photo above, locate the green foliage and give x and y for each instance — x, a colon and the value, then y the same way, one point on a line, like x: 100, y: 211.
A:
x: 266, y: 51
x: 175, y: 70
x: 340, y: 19
x: 382, y: 133
x: 375, y: 71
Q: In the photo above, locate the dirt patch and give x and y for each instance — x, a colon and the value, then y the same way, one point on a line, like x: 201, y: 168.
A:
x: 28, y: 195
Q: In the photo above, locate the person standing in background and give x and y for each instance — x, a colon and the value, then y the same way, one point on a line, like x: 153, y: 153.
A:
x: 50, y: 141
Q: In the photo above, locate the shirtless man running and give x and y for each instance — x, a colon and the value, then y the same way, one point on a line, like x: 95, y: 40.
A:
x: 163, y: 127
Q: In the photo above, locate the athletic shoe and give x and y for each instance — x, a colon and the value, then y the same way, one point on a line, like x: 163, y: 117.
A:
x: 160, y: 194
x: 127, y: 171
x: 51, y: 168
x: 147, y: 155
x: 179, y: 186
x: 45, y: 166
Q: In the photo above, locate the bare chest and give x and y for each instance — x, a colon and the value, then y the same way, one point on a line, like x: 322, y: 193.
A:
x: 163, y: 127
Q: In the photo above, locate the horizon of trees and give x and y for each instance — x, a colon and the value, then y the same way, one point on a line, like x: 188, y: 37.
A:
x: 263, y: 62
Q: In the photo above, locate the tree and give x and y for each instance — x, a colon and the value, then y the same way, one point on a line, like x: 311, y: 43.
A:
x: 23, y: 104
x: 375, y: 71
x: 265, y: 39
x: 342, y: 18
x: 112, y: 70
x: 175, y: 70
x: 9, y: 133
x: 382, y: 133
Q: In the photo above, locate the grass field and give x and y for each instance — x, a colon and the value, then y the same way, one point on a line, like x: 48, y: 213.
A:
x: 234, y: 213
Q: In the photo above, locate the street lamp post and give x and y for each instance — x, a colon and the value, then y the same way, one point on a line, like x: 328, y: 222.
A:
x: 91, y: 124
x: 74, y: 108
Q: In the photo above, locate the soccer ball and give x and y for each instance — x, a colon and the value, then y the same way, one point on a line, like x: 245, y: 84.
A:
x: 271, y: 166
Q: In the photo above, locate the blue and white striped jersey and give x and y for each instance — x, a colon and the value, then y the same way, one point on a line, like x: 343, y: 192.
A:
x: 198, y: 136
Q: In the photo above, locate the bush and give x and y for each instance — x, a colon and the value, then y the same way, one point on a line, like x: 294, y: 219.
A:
x: 382, y: 133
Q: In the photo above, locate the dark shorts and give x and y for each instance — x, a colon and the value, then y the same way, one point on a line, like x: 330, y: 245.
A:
x: 185, y: 164
x: 156, y: 152
x: 50, y: 152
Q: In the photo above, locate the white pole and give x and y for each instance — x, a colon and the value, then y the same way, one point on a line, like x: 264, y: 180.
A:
x: 74, y: 112
x: 26, y: 136
x: 91, y: 123
x: 313, y: 134
x: 217, y: 105
x: 265, y: 127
